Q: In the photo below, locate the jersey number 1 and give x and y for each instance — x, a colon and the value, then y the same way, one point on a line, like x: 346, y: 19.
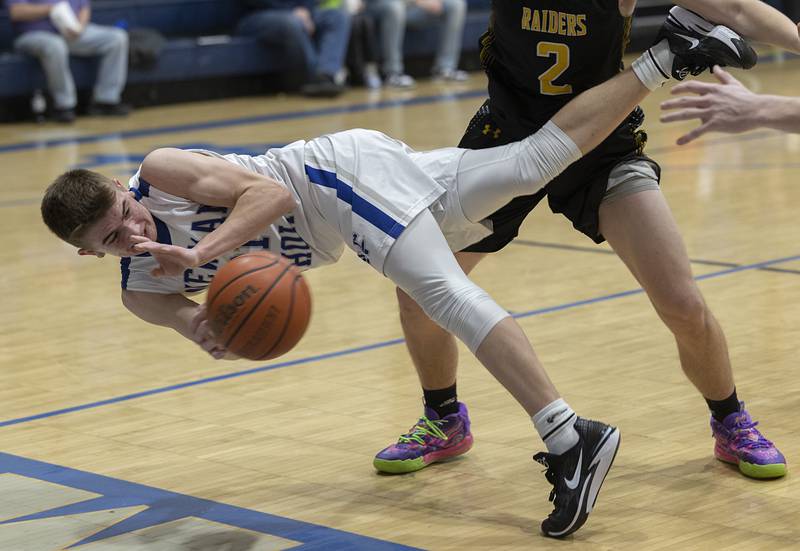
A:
x: 561, y: 53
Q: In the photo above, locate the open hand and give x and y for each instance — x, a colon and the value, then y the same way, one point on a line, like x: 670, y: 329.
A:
x: 725, y: 107
x: 172, y: 260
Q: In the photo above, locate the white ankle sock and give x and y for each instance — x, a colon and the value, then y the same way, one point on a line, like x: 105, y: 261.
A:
x: 555, y: 424
x: 654, y: 66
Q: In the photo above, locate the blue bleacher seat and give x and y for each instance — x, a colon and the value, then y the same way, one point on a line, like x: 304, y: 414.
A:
x: 199, y: 43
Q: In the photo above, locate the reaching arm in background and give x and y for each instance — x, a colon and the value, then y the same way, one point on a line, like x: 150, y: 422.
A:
x: 729, y: 107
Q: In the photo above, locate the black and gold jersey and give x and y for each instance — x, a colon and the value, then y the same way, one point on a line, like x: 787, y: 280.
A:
x: 539, y: 54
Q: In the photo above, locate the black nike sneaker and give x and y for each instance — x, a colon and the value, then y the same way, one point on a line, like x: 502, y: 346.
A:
x: 699, y: 44
x: 576, y: 476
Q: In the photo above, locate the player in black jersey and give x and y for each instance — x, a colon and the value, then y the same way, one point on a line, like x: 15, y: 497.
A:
x: 538, y: 54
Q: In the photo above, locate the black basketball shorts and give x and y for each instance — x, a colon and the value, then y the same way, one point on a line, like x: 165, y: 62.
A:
x: 576, y: 193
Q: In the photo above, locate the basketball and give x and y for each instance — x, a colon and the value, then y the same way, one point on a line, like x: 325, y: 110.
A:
x: 259, y: 306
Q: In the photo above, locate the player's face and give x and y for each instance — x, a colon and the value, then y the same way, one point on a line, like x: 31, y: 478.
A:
x: 113, y: 233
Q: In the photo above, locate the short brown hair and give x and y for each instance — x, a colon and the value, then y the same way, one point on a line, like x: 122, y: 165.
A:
x: 74, y: 201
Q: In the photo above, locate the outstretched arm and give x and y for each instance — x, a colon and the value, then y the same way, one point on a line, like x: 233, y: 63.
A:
x: 176, y: 312
x: 751, y: 18
x: 256, y: 201
x: 729, y: 107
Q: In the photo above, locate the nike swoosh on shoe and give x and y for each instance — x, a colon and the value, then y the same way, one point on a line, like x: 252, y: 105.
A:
x: 572, y: 483
x: 693, y: 41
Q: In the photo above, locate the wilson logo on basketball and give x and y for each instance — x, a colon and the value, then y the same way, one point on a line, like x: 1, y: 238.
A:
x: 227, y: 311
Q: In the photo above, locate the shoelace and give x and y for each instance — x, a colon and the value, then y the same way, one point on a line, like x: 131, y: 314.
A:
x: 550, y: 475
x: 424, y: 427
x: 741, y: 436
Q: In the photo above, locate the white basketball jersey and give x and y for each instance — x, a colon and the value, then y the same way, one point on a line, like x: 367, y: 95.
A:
x: 358, y: 188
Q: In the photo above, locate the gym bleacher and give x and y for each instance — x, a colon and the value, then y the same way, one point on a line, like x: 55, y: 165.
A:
x: 202, y: 59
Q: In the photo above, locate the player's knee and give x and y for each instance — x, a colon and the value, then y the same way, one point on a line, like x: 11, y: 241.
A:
x: 55, y: 50
x: 453, y: 304
x: 684, y: 309
x: 119, y: 38
x: 438, y: 299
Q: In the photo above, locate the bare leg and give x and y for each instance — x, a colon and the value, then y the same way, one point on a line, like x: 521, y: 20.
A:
x: 508, y: 356
x: 432, y: 349
x: 642, y: 231
x: 505, y: 352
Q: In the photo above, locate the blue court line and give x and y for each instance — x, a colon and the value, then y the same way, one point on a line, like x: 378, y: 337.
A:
x: 359, y: 349
x: 162, y: 507
x: 242, y: 121
x: 600, y: 250
x: 206, y: 380
x: 631, y: 292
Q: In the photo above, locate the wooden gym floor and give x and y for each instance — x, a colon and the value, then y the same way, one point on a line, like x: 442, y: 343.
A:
x: 118, y: 435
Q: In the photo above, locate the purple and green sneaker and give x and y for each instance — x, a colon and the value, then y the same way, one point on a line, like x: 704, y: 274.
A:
x: 430, y: 440
x: 739, y: 442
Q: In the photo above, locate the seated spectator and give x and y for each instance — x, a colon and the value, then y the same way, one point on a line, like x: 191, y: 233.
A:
x: 394, y: 15
x: 363, y: 52
x: 51, y: 31
x: 314, y: 35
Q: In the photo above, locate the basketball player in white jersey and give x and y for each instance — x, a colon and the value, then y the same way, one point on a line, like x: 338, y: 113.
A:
x: 185, y: 213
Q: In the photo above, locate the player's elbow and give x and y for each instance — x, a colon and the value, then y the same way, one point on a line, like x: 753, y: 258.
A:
x: 288, y: 201
x: 139, y: 304
x: 163, y: 156
x: 725, y: 12
x: 282, y: 198
x: 736, y: 11
x: 735, y: 15
x: 130, y: 301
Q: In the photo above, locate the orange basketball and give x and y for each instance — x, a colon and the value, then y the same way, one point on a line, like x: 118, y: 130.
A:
x: 259, y: 306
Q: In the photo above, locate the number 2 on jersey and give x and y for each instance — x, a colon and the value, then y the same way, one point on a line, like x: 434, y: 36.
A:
x: 561, y: 53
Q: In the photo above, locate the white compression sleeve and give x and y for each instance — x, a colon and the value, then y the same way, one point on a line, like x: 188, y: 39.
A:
x: 421, y: 264
x: 487, y: 179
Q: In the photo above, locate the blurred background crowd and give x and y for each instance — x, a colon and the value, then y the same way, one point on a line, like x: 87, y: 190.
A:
x: 61, y: 58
